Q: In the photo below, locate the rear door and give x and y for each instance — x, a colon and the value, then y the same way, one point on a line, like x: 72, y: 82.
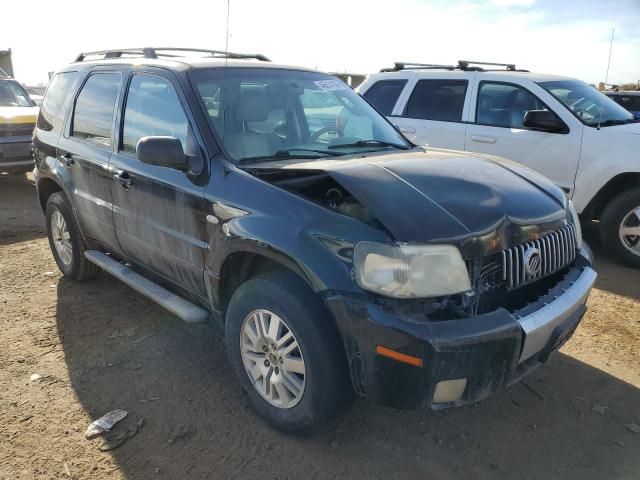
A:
x: 84, y: 152
x: 158, y: 211
x: 497, y: 115
x: 435, y: 110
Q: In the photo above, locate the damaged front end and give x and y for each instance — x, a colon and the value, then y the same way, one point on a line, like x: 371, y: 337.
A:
x: 484, y: 277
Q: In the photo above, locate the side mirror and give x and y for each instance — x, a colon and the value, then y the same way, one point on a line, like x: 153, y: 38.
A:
x: 544, y: 120
x: 162, y: 151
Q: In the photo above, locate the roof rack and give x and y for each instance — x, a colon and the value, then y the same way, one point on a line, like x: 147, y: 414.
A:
x: 397, y: 66
x: 157, y: 52
x: 465, y: 65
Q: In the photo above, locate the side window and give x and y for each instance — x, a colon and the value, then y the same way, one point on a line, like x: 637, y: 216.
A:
x: 153, y: 109
x: 93, y: 114
x: 441, y: 100
x: 56, y: 100
x: 504, y: 104
x: 384, y: 94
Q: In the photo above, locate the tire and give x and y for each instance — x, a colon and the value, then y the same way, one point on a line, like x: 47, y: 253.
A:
x: 619, y: 213
x: 326, y: 390
x: 71, y: 262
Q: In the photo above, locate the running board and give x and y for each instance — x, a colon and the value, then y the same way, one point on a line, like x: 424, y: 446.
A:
x: 187, y: 311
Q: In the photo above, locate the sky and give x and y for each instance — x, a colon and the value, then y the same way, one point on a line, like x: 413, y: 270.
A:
x: 566, y: 37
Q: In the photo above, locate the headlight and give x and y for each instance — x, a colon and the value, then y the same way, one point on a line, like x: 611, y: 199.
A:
x: 410, y: 271
x: 576, y: 223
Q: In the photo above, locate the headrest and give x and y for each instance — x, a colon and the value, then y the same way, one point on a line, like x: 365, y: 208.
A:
x: 253, y: 106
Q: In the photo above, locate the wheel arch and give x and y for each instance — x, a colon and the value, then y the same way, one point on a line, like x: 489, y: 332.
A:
x: 47, y: 187
x: 240, y: 266
x: 614, y: 187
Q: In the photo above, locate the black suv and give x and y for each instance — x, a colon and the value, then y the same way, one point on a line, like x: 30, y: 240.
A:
x: 335, y: 255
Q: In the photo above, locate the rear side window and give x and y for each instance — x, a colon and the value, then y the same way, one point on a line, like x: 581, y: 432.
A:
x: 56, y: 100
x: 441, y: 100
x: 384, y: 94
x: 153, y: 109
x: 93, y: 114
x: 504, y: 104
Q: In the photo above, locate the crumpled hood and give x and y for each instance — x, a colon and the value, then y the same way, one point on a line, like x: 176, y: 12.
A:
x: 18, y: 115
x: 442, y: 194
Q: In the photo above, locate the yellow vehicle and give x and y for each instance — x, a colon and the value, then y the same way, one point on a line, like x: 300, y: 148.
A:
x: 18, y: 114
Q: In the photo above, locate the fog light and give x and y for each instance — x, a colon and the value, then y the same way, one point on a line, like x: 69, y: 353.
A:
x: 449, y: 390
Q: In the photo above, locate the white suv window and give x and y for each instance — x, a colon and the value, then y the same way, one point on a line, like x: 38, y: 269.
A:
x: 504, y: 104
x: 384, y: 94
x: 440, y: 100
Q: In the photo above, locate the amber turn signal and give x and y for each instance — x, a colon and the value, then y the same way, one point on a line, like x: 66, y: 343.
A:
x: 399, y: 357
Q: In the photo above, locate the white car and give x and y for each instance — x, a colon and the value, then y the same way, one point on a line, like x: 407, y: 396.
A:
x: 561, y: 127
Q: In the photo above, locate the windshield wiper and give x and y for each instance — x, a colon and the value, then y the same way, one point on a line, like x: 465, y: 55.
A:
x: 611, y: 122
x: 369, y: 143
x: 285, y: 154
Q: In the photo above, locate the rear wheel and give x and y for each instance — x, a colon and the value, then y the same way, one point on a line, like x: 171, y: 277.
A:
x: 67, y: 245
x: 286, y: 353
x: 620, y: 227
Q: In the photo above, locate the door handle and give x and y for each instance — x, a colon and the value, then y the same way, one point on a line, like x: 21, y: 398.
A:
x: 408, y: 130
x: 124, y: 179
x: 483, y: 139
x: 68, y: 159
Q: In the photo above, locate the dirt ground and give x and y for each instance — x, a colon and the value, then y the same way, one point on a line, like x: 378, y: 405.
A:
x: 99, y: 346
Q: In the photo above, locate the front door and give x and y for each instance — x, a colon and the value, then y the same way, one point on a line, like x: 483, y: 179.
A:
x: 497, y: 129
x: 158, y: 212
x: 84, y: 152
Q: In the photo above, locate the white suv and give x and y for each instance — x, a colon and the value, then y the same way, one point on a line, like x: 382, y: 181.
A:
x: 559, y: 126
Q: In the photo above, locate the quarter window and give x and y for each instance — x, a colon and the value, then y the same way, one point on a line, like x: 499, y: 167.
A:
x: 440, y: 100
x: 384, y: 94
x: 93, y: 114
x: 56, y: 100
x: 504, y: 104
x: 153, y: 109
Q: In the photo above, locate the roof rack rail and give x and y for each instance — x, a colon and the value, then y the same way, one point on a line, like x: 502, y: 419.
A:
x: 465, y: 65
x: 397, y: 66
x: 157, y: 52
x: 468, y: 65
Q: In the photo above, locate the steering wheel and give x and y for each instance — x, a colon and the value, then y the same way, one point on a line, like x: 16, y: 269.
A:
x: 322, y: 131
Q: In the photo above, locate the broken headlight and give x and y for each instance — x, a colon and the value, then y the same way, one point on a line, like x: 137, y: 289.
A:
x: 410, y: 271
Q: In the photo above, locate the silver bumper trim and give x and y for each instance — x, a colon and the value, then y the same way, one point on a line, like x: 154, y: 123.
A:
x: 539, y: 326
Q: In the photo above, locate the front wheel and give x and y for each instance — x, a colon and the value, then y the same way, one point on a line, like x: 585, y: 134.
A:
x: 620, y: 227
x: 286, y: 353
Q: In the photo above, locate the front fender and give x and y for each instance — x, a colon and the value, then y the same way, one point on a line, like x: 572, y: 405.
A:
x: 301, y: 235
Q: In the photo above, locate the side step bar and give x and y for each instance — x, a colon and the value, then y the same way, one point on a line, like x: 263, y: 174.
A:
x: 187, y: 311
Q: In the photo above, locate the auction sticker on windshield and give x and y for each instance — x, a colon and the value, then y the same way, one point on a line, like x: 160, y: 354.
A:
x: 331, y: 85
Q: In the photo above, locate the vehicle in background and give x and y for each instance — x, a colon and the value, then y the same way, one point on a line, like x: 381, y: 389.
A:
x: 335, y: 255
x: 561, y: 127
x: 36, y: 93
x: 18, y: 114
x: 630, y: 100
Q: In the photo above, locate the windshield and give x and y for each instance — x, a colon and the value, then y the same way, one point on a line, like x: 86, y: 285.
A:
x: 588, y: 104
x: 13, y: 95
x: 264, y: 113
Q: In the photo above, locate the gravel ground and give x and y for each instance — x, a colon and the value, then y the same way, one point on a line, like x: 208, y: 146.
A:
x: 98, y: 346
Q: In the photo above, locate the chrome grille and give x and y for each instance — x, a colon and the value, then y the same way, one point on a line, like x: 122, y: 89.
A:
x: 557, y: 250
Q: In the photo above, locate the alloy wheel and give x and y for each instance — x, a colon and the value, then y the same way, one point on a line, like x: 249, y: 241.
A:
x: 629, y: 231
x: 272, y: 358
x: 61, y: 237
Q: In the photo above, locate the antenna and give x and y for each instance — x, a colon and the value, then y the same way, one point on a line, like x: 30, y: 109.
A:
x: 606, y: 77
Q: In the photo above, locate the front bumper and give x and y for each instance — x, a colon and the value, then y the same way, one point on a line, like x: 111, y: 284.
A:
x: 489, y: 351
x: 16, y: 153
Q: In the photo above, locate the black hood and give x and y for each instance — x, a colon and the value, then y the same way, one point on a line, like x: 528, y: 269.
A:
x: 445, y: 195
